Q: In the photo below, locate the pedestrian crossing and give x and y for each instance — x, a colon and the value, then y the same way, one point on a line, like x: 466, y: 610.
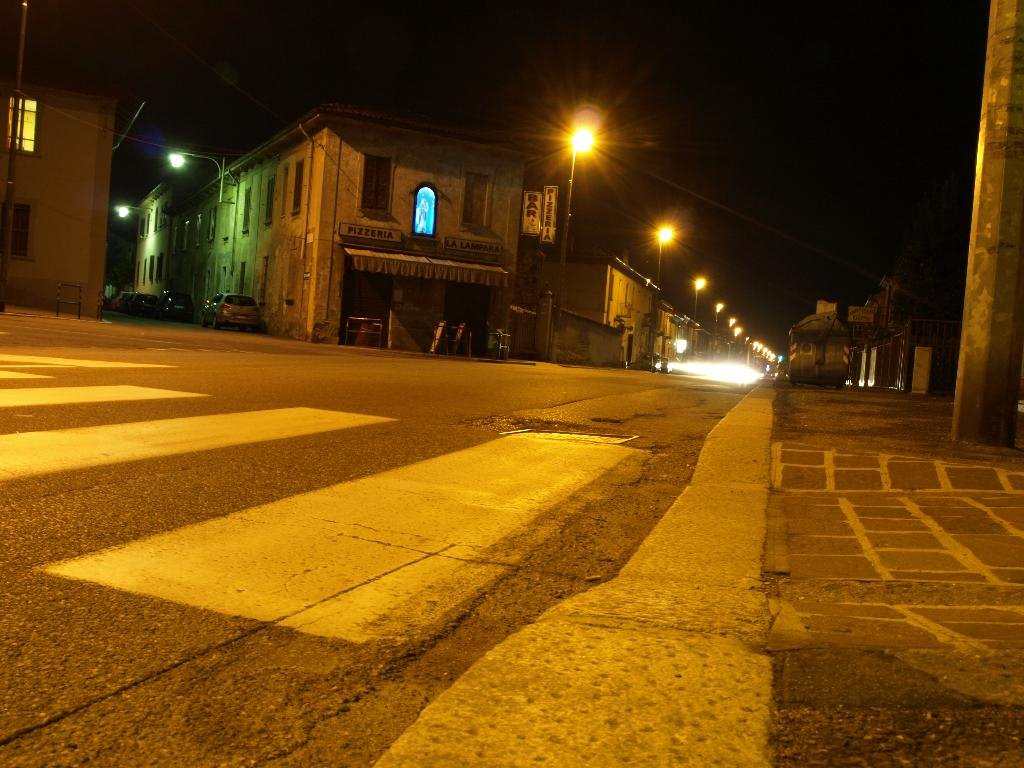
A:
x: 379, y: 557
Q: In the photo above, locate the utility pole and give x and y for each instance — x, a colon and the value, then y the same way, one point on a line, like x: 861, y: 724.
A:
x: 7, y: 224
x: 992, y: 338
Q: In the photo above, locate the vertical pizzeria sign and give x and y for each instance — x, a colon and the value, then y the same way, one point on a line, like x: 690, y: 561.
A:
x: 548, y: 218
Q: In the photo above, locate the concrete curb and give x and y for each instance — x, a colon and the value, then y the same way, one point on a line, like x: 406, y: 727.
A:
x: 662, y: 665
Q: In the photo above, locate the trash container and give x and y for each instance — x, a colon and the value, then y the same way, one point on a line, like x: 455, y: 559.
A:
x: 819, y: 351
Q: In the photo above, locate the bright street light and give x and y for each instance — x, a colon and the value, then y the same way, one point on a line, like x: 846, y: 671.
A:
x: 123, y: 211
x: 699, y: 283
x: 665, y: 235
x: 732, y: 321
x: 582, y: 140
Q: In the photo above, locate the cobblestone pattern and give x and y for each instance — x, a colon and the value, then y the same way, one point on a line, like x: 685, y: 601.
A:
x: 880, y: 518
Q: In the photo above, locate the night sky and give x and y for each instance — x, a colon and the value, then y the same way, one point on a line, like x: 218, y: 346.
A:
x: 791, y: 142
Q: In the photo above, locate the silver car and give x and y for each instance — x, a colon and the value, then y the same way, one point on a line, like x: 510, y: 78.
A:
x: 234, y: 309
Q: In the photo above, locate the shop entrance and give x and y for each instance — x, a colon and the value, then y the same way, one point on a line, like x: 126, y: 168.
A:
x: 468, y: 303
x: 365, y: 309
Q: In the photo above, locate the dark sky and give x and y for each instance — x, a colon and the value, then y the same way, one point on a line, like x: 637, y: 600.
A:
x: 790, y: 141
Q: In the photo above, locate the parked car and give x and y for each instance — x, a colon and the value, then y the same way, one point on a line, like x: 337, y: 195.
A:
x: 121, y: 301
x: 143, y: 305
x: 234, y: 309
x: 175, y: 305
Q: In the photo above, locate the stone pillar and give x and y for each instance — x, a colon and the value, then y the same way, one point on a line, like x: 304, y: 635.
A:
x: 988, y: 376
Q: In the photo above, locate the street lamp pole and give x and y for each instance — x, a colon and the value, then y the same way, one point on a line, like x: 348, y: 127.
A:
x: 582, y: 140
x: 699, y: 283
x: 178, y: 160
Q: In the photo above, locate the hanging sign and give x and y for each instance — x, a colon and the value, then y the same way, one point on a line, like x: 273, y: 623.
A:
x: 531, y: 213
x: 548, y: 215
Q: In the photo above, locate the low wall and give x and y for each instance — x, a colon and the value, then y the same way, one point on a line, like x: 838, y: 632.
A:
x: 582, y: 341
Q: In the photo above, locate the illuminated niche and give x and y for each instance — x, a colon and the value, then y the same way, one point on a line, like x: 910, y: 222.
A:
x: 424, y: 217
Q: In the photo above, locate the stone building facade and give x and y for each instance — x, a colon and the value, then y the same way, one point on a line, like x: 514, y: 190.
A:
x: 353, y: 222
x: 63, y: 191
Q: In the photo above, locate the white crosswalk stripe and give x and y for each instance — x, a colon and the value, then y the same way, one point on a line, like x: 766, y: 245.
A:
x: 5, y: 359
x: 17, y: 398
x: 33, y: 453
x: 375, y: 557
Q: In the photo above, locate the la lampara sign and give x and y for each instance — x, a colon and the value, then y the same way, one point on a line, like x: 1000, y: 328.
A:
x: 549, y: 215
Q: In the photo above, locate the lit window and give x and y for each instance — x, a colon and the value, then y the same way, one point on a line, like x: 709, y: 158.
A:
x: 425, y: 211
x: 474, y: 208
x: 26, y: 124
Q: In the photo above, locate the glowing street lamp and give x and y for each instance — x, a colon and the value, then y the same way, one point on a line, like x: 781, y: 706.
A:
x: 665, y: 235
x: 582, y: 141
x: 178, y: 160
x: 732, y: 321
x: 122, y: 211
x: 699, y: 283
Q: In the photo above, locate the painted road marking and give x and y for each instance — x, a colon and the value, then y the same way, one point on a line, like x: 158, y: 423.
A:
x: 21, y: 375
x: 75, y: 362
x: 363, y: 559
x: 19, y: 398
x: 35, y: 453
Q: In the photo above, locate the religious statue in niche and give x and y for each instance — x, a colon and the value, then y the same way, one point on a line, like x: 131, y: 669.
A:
x: 425, y: 212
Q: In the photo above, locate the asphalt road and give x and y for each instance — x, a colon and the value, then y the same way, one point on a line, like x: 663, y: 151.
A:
x: 222, y: 548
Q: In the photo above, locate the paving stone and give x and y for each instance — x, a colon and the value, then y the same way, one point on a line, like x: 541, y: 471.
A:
x: 857, y: 461
x: 925, y: 561
x: 963, y: 613
x: 849, y: 630
x: 912, y: 475
x: 949, y: 502
x: 821, y: 527
x: 817, y: 512
x: 1003, y: 551
x: 973, y: 478
x: 1012, y: 575
x: 1007, y: 634
x: 899, y: 540
x: 891, y: 524
x: 803, y: 458
x: 861, y: 610
x: 963, y: 524
x: 1012, y: 515
x: 960, y: 576
x: 858, y: 479
x: 831, y: 567
x: 803, y: 477
x: 823, y: 545
x: 1016, y: 481
x: 883, y: 512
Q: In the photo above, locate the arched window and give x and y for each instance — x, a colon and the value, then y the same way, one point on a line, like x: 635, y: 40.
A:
x: 424, y: 218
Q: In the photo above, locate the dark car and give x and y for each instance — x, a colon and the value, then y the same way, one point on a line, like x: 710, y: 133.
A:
x: 234, y: 309
x: 175, y: 305
x: 121, y: 301
x: 143, y: 305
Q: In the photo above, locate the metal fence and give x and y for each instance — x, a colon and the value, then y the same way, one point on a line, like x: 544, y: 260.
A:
x: 888, y: 363
x: 523, y: 330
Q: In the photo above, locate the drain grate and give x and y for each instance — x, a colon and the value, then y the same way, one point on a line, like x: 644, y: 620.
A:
x: 577, y: 437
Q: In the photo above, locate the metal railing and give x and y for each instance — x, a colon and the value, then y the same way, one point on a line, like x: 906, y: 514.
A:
x: 64, y: 292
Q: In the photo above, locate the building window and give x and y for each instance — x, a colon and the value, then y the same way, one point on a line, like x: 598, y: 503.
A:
x: 284, y: 188
x: 474, y: 208
x: 151, y: 260
x: 185, y: 234
x: 199, y: 229
x: 19, y: 231
x: 297, y: 187
x: 246, y: 209
x: 26, y: 124
x: 268, y: 208
x: 213, y: 224
x: 425, y: 211
x: 376, y: 183
x: 160, y: 267
x: 143, y: 223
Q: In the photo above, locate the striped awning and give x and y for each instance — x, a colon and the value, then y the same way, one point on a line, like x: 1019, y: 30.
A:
x: 426, y: 267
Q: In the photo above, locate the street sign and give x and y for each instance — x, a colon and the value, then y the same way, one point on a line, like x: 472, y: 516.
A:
x: 860, y: 314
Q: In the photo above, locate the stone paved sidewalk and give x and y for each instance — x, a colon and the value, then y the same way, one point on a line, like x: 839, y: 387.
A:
x: 869, y: 517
